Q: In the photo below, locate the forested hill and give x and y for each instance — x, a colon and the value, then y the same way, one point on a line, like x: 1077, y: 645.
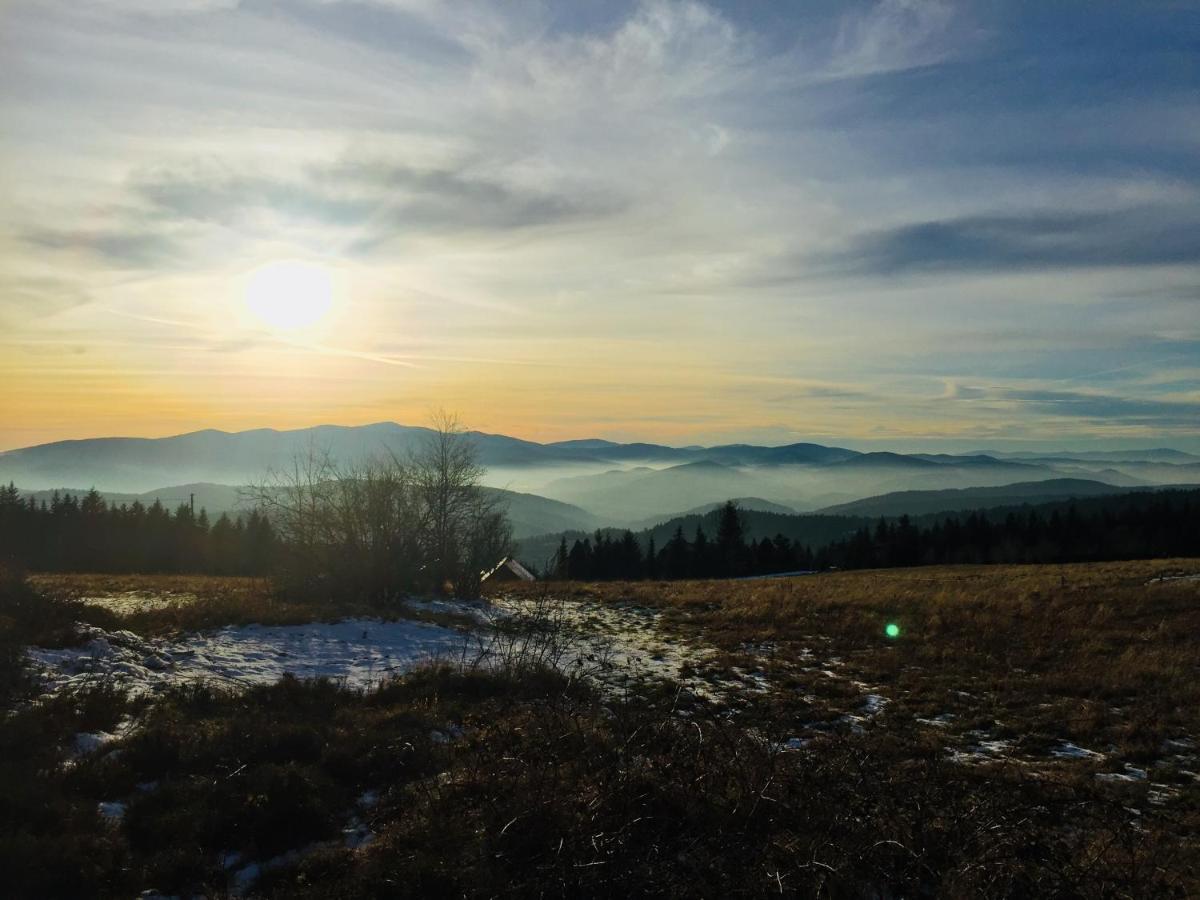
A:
x: 806, y: 530
x: 1145, y: 524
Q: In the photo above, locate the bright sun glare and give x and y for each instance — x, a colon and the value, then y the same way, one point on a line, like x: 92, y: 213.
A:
x: 289, y: 294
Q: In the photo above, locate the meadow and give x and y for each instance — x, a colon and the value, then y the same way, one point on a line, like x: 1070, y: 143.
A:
x: 1026, y: 730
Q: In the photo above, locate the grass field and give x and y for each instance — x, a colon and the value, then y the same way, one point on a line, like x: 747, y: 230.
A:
x: 1103, y: 654
x: 1031, y: 731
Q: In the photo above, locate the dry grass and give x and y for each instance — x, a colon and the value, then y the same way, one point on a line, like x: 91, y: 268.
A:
x: 164, y: 605
x: 1101, y: 654
x: 527, y: 783
x: 87, y: 585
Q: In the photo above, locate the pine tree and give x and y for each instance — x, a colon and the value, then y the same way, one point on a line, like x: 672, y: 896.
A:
x: 731, y: 542
x: 702, y: 563
x: 677, y: 556
x: 560, y: 560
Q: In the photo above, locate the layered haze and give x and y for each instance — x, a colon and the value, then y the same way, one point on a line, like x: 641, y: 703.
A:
x: 578, y: 485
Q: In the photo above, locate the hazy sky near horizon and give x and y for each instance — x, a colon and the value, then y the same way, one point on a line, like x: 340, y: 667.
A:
x: 918, y: 223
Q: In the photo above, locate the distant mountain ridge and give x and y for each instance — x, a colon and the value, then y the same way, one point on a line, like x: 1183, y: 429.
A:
x: 916, y: 503
x: 595, y: 481
x: 135, y: 465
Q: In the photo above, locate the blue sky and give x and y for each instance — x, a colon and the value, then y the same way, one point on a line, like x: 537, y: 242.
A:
x: 903, y: 223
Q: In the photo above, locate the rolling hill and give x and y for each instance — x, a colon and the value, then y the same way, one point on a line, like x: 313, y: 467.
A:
x: 915, y: 503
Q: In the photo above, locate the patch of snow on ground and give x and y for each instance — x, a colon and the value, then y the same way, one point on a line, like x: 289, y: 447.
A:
x: 360, y: 652
x: 1169, y: 578
x: 982, y: 749
x: 995, y: 747
x: 615, y: 645
x: 942, y: 720
x: 1131, y: 774
x: 1067, y: 750
x: 610, y: 644
x: 1162, y: 793
x: 86, y: 742
x: 113, y: 811
x: 873, y: 703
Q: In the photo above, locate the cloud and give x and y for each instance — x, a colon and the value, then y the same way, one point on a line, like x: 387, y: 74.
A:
x: 163, y: 7
x: 894, y: 35
x: 122, y: 248
x: 378, y: 198
x: 1144, y: 236
x: 1100, y: 407
x: 464, y: 198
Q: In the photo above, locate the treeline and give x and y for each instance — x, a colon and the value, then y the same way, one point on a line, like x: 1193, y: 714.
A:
x: 86, y: 534
x: 727, y: 554
x: 1132, y: 526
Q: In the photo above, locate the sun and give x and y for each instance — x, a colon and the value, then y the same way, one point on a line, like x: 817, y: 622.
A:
x: 290, y: 294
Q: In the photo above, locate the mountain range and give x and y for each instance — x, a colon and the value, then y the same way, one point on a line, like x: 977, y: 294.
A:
x: 584, y: 484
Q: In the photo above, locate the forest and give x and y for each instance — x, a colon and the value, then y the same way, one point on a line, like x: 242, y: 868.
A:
x: 85, y: 534
x: 1133, y: 526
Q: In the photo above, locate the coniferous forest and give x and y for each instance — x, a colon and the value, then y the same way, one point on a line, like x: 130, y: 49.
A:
x: 1132, y: 526
x: 73, y: 533
x: 86, y: 534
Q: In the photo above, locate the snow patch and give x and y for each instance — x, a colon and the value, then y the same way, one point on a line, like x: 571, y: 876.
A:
x: 1067, y: 750
x: 794, y: 743
x: 942, y: 720
x: 358, y: 652
x: 88, y: 742
x: 1161, y: 579
x: 112, y: 810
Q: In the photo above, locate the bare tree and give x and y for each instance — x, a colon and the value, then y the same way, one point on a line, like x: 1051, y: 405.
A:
x: 463, y: 528
x: 298, y: 501
x: 388, y: 526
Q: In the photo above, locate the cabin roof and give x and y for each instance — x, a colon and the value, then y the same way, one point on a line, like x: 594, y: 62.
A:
x: 514, y: 567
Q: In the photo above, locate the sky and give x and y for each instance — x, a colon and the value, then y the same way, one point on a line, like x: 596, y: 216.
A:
x: 906, y: 223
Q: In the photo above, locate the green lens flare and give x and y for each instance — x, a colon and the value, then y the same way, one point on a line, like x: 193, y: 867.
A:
x: 892, y: 630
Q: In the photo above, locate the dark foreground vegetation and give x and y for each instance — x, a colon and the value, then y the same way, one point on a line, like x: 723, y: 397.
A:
x: 454, y: 782
x: 547, y: 792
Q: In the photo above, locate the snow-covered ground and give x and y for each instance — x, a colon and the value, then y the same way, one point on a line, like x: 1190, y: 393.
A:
x: 616, y: 645
x: 612, y: 645
x: 619, y: 647
x: 360, y: 652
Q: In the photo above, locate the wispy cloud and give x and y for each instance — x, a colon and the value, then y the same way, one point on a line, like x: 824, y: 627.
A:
x: 1142, y: 236
x: 1167, y: 415
x: 895, y: 35
x: 134, y: 248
